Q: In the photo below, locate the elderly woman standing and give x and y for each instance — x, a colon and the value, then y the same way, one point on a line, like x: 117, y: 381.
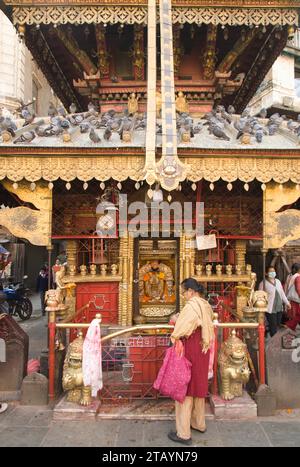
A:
x: 194, y: 332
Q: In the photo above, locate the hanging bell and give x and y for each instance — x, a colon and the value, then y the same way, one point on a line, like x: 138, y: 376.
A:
x: 211, y: 186
x: 50, y: 186
x: 85, y: 185
x: 102, y: 185
x: 137, y: 186
x: 229, y: 186
x: 68, y: 186
x: 15, y: 186
x: 119, y: 185
x: 32, y: 186
x: 194, y: 187
x: 169, y: 198
x: 263, y: 186
x: 246, y: 187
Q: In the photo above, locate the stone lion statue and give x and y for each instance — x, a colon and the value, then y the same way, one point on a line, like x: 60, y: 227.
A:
x: 233, y: 367
x: 72, y: 380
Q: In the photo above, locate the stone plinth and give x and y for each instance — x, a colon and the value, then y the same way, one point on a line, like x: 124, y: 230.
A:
x: 239, y: 408
x: 283, y: 368
x: 34, y: 390
x: 65, y: 410
x: 14, y: 369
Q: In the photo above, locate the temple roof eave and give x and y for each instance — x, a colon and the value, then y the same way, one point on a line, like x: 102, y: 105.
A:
x: 279, y: 166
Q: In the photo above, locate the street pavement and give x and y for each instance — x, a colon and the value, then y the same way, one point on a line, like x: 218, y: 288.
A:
x: 34, y: 426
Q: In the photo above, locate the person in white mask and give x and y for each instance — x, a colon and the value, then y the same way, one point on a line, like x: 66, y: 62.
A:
x: 276, y: 299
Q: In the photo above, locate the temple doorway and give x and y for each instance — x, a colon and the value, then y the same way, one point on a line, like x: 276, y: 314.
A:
x: 156, y: 279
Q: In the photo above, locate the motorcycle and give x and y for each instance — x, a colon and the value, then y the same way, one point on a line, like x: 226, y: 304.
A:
x: 14, y: 300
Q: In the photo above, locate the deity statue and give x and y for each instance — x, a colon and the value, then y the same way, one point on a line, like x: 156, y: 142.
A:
x: 181, y: 103
x: 233, y: 365
x: 132, y: 104
x: 219, y: 269
x: 103, y: 63
x: 59, y: 299
x: 93, y: 269
x: 199, y: 269
x: 83, y: 270
x: 156, y: 283
x: 72, y: 379
x: 138, y: 63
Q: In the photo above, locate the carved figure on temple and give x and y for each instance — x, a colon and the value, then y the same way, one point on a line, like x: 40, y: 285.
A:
x: 233, y: 367
x: 132, y: 104
x: 72, y: 380
x: 103, y: 63
x: 156, y: 283
x: 138, y: 63
x: 181, y: 103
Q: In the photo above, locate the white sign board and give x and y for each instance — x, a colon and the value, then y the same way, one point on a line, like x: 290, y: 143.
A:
x: 2, y: 351
x: 206, y: 242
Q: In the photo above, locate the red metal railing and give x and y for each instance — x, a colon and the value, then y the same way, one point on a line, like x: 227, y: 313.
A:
x: 141, y: 386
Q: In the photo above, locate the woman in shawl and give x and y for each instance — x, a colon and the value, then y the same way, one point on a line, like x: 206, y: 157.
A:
x: 193, y: 334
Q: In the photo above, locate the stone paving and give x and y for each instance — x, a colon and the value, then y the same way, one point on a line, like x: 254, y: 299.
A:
x: 34, y: 426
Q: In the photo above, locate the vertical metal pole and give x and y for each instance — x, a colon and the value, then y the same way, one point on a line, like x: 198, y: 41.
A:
x: 261, y: 349
x: 51, y: 362
x: 49, y: 248
x: 215, y: 380
x: 264, y: 252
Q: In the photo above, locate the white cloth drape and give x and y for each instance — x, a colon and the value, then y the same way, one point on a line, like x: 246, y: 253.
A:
x: 92, y: 359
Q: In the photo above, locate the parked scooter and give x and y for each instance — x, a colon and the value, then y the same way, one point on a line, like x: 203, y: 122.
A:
x: 14, y: 300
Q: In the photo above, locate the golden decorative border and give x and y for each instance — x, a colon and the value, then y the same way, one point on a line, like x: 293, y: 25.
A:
x: 138, y: 14
x: 119, y: 168
x: 199, y: 3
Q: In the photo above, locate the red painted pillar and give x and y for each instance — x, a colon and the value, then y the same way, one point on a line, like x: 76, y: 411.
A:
x: 261, y: 347
x: 51, y: 361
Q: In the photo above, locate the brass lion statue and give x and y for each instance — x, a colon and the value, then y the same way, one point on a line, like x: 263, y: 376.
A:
x: 72, y: 380
x: 233, y: 366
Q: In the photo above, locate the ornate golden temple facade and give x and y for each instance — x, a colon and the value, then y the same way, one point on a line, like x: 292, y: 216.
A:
x: 143, y: 66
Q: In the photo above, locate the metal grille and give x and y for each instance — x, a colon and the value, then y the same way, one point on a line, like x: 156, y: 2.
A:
x: 130, y: 366
x: 233, y: 213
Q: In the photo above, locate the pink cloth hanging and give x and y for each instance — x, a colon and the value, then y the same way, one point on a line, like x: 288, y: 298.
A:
x: 92, y: 359
x: 174, y: 375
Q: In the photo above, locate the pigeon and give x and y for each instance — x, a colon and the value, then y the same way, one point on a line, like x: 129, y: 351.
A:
x: 263, y: 113
x: 72, y: 108
x: 259, y: 135
x: 292, y: 125
x: 65, y: 123
x: 52, y: 112
x: 27, y: 115
x: 84, y: 127
x: 246, y: 112
x: 198, y: 128
x: 7, y: 124
x: 93, y: 136
x: 26, y: 137
x: 62, y: 111
x: 107, y: 134
x: 219, y: 133
x: 231, y: 110
x: 91, y: 107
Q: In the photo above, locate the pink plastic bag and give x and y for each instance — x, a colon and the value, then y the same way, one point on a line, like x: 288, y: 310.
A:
x: 211, y: 359
x: 174, y: 376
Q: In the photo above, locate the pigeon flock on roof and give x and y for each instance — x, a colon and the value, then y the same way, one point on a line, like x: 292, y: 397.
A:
x: 218, y: 122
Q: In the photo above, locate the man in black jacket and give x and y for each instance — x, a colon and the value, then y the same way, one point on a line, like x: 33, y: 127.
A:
x: 42, y: 287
